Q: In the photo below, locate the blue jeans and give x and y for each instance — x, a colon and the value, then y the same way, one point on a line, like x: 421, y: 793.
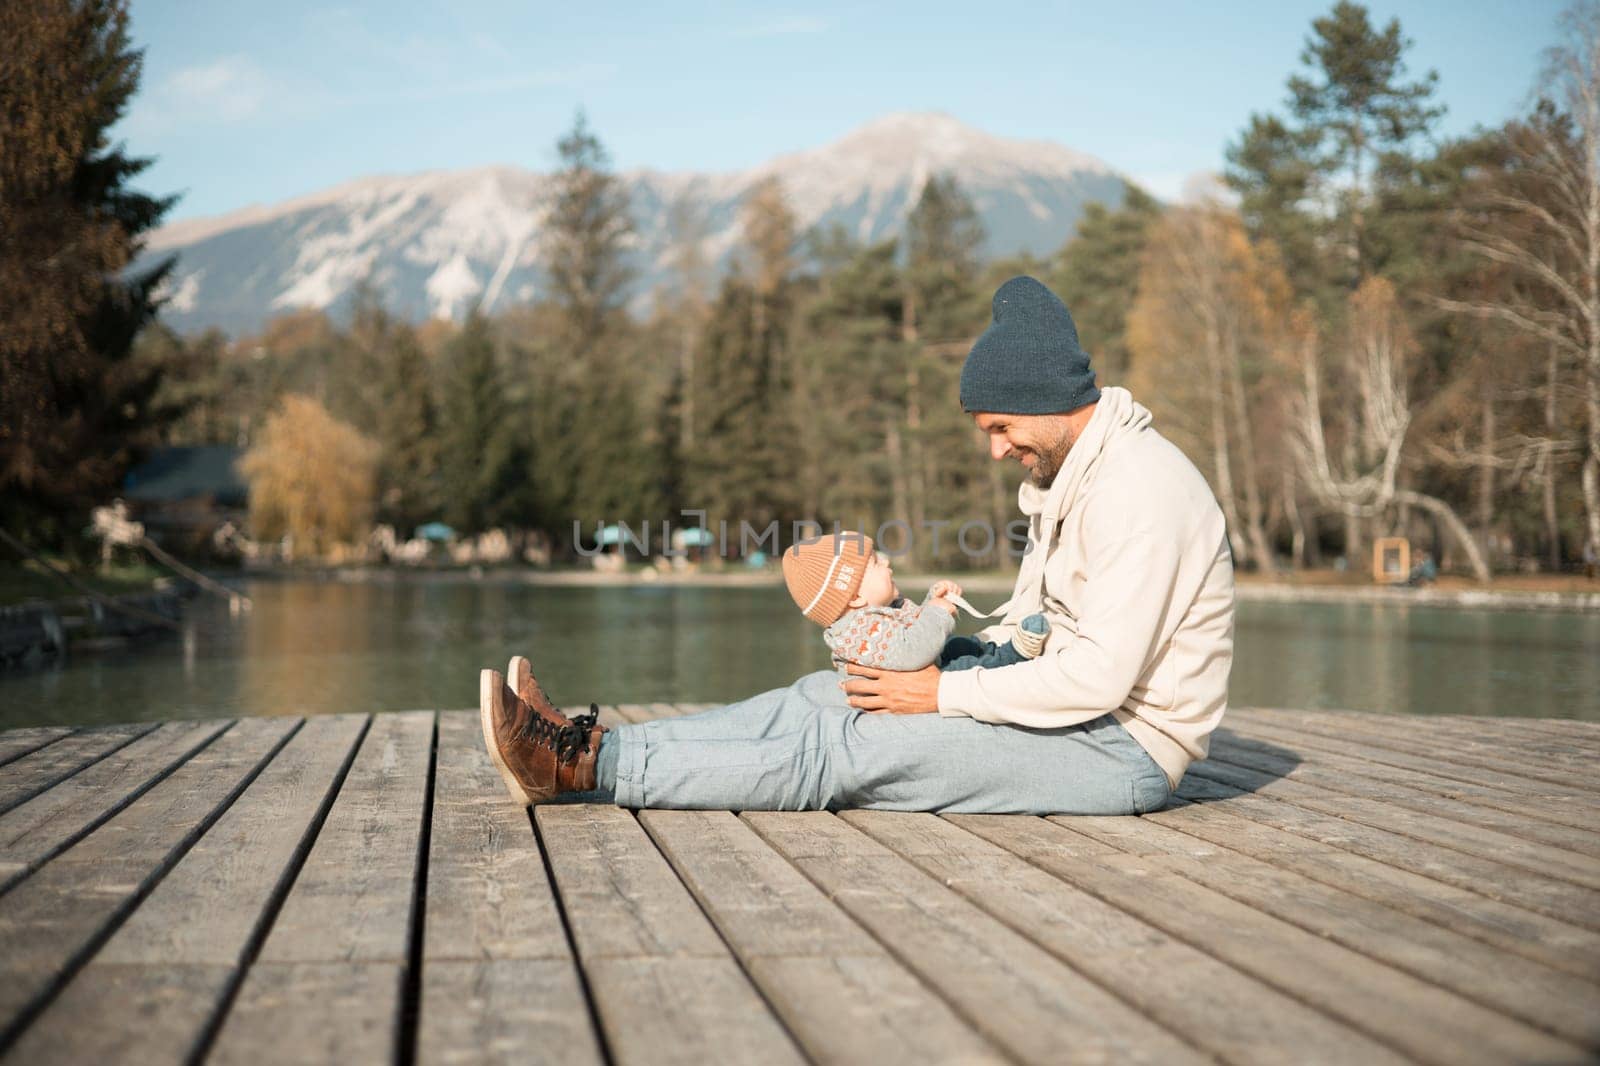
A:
x: 970, y: 653
x: 805, y: 748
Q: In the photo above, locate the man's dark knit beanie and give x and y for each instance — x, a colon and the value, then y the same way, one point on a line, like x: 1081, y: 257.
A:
x: 1028, y: 362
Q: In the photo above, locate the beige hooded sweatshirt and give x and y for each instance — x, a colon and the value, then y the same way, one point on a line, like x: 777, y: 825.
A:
x: 1128, y: 559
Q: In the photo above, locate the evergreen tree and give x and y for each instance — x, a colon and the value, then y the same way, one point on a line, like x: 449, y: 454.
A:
x: 586, y: 237
x: 1359, y: 117
x: 942, y: 309
x: 1097, y: 275
x: 75, y: 406
x: 407, y: 434
x: 587, y: 410
x: 943, y: 242
x: 1311, y: 186
x: 481, y: 465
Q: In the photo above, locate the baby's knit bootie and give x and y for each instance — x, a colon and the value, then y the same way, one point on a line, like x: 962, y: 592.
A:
x: 1031, y: 632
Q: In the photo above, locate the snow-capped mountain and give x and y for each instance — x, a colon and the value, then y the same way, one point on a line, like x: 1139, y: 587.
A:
x: 433, y: 243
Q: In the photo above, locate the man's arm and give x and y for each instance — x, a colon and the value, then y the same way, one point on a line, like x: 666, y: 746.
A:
x: 1127, y: 601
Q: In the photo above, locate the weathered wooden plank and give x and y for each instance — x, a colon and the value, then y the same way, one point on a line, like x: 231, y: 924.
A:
x: 341, y: 941
x: 621, y: 897
x: 1014, y: 992
x: 1350, y: 759
x: 498, y: 980
x: 839, y: 992
x: 488, y: 894
x: 664, y: 984
x: 15, y: 743
x: 686, y: 1011
x: 1512, y: 850
x: 50, y: 922
x: 866, y: 1009
x: 1565, y: 1005
x: 504, y: 1010
x: 1509, y: 732
x: 1557, y: 899
x: 1415, y: 1016
x: 50, y: 822
x: 1327, y: 777
x: 1451, y: 742
x: 1132, y: 959
x: 1509, y: 739
x: 1579, y: 801
x: 155, y: 986
x: 1576, y: 730
x: 1497, y: 737
x: 1501, y: 925
x: 610, y: 717
x: 634, y: 712
x: 352, y: 899
x: 32, y: 774
x: 335, y: 1012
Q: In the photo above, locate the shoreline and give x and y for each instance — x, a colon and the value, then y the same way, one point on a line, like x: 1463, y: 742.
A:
x: 1248, y: 589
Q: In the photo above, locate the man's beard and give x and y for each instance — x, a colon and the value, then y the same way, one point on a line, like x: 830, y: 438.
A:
x: 1048, y: 461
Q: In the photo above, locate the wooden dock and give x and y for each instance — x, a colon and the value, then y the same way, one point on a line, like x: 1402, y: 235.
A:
x: 1329, y: 887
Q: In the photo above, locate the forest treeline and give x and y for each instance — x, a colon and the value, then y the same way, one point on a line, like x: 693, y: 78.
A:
x: 1365, y: 329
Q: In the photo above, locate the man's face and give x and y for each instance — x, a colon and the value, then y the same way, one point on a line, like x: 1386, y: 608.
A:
x: 1039, y: 442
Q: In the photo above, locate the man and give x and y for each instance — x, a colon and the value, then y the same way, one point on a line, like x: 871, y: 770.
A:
x: 1128, y: 561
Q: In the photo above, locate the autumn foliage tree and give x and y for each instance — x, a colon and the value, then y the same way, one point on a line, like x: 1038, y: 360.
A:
x: 75, y: 406
x: 1203, y: 332
x: 311, y: 477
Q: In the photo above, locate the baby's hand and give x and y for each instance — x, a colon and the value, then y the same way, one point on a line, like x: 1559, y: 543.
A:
x: 940, y: 591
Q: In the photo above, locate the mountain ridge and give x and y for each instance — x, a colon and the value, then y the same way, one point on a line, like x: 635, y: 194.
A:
x: 437, y: 241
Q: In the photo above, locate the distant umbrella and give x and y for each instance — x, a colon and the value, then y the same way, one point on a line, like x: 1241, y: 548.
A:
x: 692, y: 537
x: 435, y: 531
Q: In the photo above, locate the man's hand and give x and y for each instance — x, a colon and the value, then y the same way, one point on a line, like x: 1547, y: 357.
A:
x: 893, y: 691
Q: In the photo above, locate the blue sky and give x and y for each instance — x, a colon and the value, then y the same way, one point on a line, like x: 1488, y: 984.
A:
x: 247, y: 102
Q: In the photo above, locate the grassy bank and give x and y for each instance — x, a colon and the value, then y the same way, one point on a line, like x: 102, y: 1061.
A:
x: 26, y: 581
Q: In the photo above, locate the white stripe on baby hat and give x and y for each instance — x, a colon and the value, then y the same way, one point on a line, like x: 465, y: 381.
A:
x: 827, y: 579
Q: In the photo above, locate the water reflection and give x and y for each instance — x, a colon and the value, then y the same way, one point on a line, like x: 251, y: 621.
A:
x: 1419, y: 660
x: 319, y: 647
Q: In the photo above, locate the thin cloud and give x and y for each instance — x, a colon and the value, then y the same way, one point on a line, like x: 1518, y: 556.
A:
x: 229, y: 89
x: 789, y: 26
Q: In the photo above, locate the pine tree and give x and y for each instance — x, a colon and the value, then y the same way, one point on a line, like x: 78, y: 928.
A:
x: 407, y: 434
x: 1359, y: 118
x: 941, y: 309
x: 1311, y: 186
x: 590, y: 426
x: 479, y: 452
x: 1097, y: 274
x: 585, y: 238
x: 75, y: 406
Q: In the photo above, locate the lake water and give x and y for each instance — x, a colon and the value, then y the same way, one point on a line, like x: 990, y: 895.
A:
x: 320, y: 647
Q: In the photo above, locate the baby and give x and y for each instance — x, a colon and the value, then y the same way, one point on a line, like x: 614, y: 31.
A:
x: 840, y: 582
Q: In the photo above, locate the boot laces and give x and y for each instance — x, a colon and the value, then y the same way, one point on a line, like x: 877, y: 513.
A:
x: 567, y: 741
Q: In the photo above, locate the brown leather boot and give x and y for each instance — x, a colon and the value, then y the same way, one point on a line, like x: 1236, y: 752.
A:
x: 539, y: 751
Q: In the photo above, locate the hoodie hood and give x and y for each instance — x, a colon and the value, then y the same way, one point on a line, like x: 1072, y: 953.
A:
x: 1116, y: 415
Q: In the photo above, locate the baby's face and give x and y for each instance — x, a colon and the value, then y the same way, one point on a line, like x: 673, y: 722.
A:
x: 877, y: 584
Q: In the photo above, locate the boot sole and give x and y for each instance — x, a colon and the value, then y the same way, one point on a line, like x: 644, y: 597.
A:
x: 490, y: 685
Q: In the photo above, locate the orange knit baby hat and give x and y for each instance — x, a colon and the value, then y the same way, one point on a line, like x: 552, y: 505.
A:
x: 824, y: 576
